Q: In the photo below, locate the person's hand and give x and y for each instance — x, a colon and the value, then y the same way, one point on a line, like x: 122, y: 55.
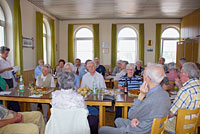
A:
x: 143, y: 90
x: 7, y: 87
x: 18, y: 118
x: 8, y: 68
x: 178, y: 83
x: 134, y: 122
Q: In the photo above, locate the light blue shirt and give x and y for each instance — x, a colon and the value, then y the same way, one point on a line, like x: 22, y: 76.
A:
x: 38, y: 71
x: 77, y: 82
x: 82, y: 72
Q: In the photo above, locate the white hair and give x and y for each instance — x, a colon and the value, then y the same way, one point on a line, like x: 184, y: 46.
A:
x: 91, y: 62
x: 191, y: 69
x: 154, y: 73
x: 130, y: 65
x: 139, y: 61
x: 70, y: 64
x: 172, y: 66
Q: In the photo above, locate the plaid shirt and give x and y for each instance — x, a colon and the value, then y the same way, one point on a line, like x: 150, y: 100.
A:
x: 188, y: 97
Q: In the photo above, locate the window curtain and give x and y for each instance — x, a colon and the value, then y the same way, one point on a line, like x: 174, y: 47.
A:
x: 53, y: 48
x: 114, y: 46
x: 158, y: 42
x: 18, y: 50
x: 71, y: 43
x: 96, y: 40
x: 141, y: 42
x: 39, y: 36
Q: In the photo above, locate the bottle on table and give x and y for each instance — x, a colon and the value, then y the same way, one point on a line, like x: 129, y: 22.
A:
x: 94, y: 87
x: 21, y: 84
x: 126, y: 86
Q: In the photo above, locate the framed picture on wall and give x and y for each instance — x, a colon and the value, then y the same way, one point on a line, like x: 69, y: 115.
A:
x: 27, y: 42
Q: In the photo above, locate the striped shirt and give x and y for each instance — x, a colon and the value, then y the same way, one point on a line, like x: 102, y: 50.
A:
x: 188, y: 96
x: 134, y: 82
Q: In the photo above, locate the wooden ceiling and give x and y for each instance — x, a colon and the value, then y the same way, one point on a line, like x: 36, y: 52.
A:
x: 117, y: 9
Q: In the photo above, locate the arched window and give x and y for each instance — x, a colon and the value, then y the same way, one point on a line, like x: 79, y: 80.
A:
x: 127, y: 45
x: 169, y: 38
x: 84, y: 44
x: 45, y: 43
x: 2, y: 27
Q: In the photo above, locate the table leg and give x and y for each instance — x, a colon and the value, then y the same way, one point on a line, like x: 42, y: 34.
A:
x: 4, y: 103
x: 100, y: 116
x: 122, y: 112
x: 125, y: 112
x: 104, y: 116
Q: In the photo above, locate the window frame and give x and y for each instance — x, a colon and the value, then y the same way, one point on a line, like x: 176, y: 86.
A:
x: 163, y: 39
x: 45, y: 35
x: 82, y: 38
x: 128, y: 38
x: 3, y: 24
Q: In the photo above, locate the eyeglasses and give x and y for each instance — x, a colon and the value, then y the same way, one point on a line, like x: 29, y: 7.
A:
x: 129, y: 69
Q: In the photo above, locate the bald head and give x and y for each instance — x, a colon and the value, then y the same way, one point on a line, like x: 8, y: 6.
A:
x: 155, y: 72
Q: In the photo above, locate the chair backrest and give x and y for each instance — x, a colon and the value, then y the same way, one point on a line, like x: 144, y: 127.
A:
x: 158, y: 125
x: 184, y: 125
x: 107, y: 68
x: 116, y: 84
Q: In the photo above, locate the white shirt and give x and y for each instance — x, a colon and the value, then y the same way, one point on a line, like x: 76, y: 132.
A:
x: 44, y: 78
x: 67, y: 99
x: 5, y: 64
x: 120, y: 74
x: 87, y: 80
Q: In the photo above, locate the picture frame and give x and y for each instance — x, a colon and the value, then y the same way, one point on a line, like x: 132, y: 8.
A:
x: 27, y: 42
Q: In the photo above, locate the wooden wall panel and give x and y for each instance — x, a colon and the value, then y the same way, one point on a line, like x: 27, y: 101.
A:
x: 28, y: 76
x: 195, y: 50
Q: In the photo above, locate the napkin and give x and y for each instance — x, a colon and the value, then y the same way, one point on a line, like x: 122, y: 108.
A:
x: 5, y: 92
x: 34, y: 95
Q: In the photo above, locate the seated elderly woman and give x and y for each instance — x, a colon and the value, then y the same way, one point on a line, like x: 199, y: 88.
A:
x: 173, y: 74
x: 139, y: 69
x: 134, y: 81
x: 70, y: 68
x: 68, y: 99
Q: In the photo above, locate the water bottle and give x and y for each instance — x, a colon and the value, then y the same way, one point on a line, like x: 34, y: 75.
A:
x: 94, y: 87
x: 21, y: 84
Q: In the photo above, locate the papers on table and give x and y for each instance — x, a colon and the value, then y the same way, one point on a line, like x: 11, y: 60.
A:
x: 37, y: 96
x: 5, y: 92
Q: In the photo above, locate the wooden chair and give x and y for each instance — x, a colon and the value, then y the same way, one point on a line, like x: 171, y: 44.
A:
x: 158, y: 125
x: 181, y: 121
x: 116, y: 84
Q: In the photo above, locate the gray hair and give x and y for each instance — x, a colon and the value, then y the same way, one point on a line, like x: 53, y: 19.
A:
x: 91, y: 62
x: 124, y: 62
x: 3, y: 49
x: 130, y: 64
x: 66, y: 80
x: 183, y: 60
x: 155, y: 72
x: 45, y: 66
x: 191, y: 69
x: 139, y: 61
x: 172, y: 66
x: 70, y: 64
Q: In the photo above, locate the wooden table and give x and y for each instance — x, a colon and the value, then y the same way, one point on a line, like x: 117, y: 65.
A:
x: 92, y: 100
x: 124, y: 101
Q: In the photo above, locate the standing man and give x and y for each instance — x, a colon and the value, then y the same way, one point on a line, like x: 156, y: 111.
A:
x: 100, y: 68
x: 38, y: 69
x: 153, y: 102
x: 6, y: 74
x: 188, y: 95
x: 77, y: 66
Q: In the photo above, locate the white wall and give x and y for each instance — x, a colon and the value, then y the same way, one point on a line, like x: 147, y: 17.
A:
x: 105, y: 35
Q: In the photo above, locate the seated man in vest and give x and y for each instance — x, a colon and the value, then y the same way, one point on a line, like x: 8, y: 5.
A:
x: 188, y: 94
x: 43, y: 80
x: 153, y: 102
x: 20, y: 123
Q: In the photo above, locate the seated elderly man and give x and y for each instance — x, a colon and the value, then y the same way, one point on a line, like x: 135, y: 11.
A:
x: 139, y: 69
x: 134, y: 81
x: 181, y: 61
x: 43, y: 80
x: 117, y: 68
x: 100, y: 68
x: 153, y: 102
x: 93, y: 77
x: 70, y: 68
x: 83, y: 70
x: 38, y: 69
x: 20, y: 123
x: 188, y: 95
x: 122, y: 72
